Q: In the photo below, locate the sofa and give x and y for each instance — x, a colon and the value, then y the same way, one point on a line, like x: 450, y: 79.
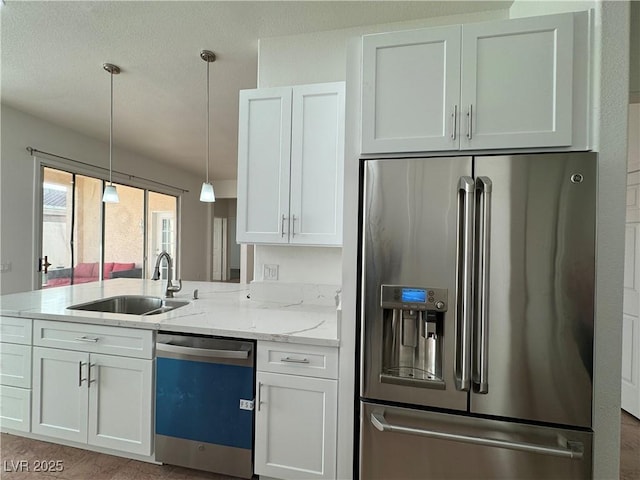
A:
x: 90, y: 272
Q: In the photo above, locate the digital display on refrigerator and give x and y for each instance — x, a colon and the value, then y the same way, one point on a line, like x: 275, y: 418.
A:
x: 414, y: 295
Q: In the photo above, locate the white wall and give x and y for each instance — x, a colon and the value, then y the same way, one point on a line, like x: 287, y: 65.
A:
x: 19, y: 130
x: 322, y: 56
x: 612, y: 23
x: 634, y: 68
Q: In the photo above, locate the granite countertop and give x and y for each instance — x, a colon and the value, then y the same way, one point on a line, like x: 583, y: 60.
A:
x: 221, y: 309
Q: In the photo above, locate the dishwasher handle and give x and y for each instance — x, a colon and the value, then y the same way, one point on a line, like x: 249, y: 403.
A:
x: 201, y: 352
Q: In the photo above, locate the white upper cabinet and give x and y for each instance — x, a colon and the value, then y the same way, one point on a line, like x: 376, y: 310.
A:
x: 516, y: 82
x: 520, y: 83
x: 317, y: 163
x: 264, y: 156
x: 290, y: 165
x: 411, y: 90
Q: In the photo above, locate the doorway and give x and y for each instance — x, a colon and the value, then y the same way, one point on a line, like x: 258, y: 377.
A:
x: 631, y: 299
x: 225, y: 248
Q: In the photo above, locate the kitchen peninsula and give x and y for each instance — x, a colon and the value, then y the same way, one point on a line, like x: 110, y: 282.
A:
x: 91, y: 379
x: 222, y: 309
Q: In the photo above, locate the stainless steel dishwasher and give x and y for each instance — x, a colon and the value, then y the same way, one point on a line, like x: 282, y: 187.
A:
x: 204, y: 403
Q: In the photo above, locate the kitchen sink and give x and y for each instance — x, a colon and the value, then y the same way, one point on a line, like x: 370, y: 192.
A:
x: 131, y: 305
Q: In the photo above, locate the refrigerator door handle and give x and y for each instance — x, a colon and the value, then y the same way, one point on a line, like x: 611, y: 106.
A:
x: 481, y: 323
x: 464, y: 294
x: 568, y: 449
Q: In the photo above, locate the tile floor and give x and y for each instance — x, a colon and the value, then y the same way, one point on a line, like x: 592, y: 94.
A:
x: 80, y: 464
x: 629, y: 447
x: 84, y: 465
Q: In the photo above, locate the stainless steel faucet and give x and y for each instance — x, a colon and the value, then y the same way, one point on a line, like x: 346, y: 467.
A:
x: 156, y: 274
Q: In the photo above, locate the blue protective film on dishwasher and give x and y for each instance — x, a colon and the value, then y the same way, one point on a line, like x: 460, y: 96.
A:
x: 201, y: 401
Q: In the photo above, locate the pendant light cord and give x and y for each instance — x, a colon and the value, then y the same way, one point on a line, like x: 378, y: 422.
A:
x: 208, y: 113
x: 111, y: 130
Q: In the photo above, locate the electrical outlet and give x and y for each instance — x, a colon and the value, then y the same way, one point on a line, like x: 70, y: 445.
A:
x: 5, y: 267
x: 270, y: 271
x: 246, y: 404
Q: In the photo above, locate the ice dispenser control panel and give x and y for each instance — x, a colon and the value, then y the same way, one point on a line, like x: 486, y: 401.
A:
x: 413, y: 298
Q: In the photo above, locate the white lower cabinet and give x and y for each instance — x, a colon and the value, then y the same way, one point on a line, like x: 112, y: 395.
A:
x: 15, y: 373
x: 296, y: 415
x: 93, y: 398
x: 60, y: 404
x: 15, y: 408
x: 120, y: 413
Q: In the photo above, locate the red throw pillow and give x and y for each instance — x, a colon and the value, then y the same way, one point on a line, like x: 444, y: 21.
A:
x: 84, y: 270
x: 119, y: 267
x: 108, y: 267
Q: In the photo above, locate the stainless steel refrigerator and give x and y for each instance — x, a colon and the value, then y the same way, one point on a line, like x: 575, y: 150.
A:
x: 477, y: 316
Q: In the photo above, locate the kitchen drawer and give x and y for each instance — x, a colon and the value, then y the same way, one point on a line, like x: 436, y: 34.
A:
x: 15, y: 365
x: 127, y: 342
x: 15, y: 408
x: 15, y: 330
x: 307, y: 360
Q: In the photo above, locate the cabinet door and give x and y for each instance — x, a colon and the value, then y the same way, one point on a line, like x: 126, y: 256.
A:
x: 295, y: 427
x: 317, y: 164
x: 60, y: 393
x: 517, y: 83
x: 411, y: 90
x: 120, y: 403
x: 15, y: 408
x: 264, y: 153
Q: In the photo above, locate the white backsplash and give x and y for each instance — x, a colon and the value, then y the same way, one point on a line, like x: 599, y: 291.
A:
x: 300, y: 264
x: 295, y: 293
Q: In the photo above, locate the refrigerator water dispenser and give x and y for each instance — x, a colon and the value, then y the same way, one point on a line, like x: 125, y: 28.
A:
x: 412, y: 335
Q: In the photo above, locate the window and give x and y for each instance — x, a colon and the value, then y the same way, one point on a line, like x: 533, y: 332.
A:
x: 85, y: 240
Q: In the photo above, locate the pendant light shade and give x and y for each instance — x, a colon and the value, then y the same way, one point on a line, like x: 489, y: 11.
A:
x: 207, y: 194
x: 110, y: 194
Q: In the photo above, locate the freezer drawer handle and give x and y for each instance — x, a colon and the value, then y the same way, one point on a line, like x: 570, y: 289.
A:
x: 574, y: 450
x: 201, y: 352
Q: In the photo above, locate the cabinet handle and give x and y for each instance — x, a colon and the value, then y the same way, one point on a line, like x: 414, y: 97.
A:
x: 282, y: 226
x: 80, y: 379
x: 259, y: 395
x: 469, y: 121
x: 90, y: 381
x: 454, y: 123
x: 293, y: 226
x: 294, y: 360
x: 84, y: 338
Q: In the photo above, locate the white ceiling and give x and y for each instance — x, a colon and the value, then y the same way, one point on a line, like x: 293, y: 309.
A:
x: 52, y: 56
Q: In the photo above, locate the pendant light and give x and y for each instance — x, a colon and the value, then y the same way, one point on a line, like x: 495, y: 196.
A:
x: 206, y: 194
x: 110, y: 194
